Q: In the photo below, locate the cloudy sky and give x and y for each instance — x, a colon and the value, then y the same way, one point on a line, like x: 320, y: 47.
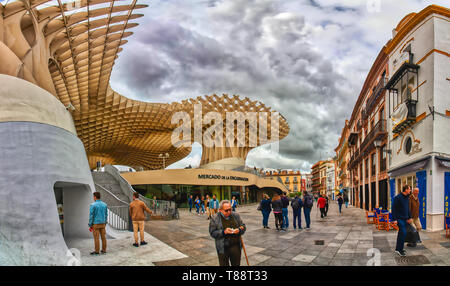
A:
x: 306, y: 59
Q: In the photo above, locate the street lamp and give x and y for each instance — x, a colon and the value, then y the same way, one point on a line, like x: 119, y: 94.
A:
x: 164, y: 157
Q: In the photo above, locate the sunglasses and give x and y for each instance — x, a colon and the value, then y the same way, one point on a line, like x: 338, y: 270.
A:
x: 228, y: 210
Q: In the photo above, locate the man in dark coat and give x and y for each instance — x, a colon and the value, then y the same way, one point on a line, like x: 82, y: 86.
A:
x: 401, y: 214
x: 226, y: 228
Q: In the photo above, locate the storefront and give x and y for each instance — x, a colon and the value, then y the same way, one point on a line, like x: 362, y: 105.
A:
x: 178, y: 184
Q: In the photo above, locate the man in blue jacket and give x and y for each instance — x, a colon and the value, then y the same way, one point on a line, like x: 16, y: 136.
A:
x: 98, y: 216
x: 402, y: 214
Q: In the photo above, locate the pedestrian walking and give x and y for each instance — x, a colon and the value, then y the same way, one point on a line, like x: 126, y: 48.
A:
x: 213, y: 205
x: 227, y: 228
x: 197, y: 204
x: 402, y: 214
x: 154, y: 204
x: 340, y: 201
x: 277, y: 206
x: 414, y: 206
x: 98, y: 217
x: 346, y: 200
x: 191, y: 203
x: 297, y: 205
x: 321, y: 202
x: 234, y: 203
x: 207, y: 199
x: 308, y: 203
x: 202, y: 204
x: 326, y: 204
x: 285, y: 200
x: 266, y: 209
x: 137, y: 214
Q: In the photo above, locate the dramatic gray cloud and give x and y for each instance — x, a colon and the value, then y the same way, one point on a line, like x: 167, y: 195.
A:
x: 305, y: 59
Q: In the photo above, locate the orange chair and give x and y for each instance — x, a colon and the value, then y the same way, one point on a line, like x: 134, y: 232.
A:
x: 371, y: 217
x: 383, y: 221
x: 391, y: 224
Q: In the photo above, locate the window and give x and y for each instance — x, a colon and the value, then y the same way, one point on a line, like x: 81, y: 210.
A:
x: 382, y: 113
x: 382, y: 158
x: 287, y: 180
x: 367, y: 168
x: 408, y: 145
x: 373, y: 168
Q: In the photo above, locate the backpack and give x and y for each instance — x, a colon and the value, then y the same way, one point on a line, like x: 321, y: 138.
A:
x: 295, y: 204
x: 308, y: 202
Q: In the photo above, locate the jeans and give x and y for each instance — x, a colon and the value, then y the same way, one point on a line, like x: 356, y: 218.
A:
x: 190, y: 207
x: 278, y: 220
x: 297, y: 216
x: 322, y: 213
x: 265, y: 214
x: 307, y: 213
x: 285, y: 218
x: 326, y: 210
x: 203, y: 208
x: 346, y: 204
x: 198, y: 208
x: 340, y: 208
x: 401, y: 234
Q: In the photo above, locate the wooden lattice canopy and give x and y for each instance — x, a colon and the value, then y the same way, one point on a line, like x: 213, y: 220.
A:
x: 69, y: 49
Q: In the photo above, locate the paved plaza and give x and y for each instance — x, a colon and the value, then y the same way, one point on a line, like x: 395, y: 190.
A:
x: 347, y: 238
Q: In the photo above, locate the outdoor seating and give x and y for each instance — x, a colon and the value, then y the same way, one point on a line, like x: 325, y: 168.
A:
x: 447, y: 226
x: 371, y: 217
x: 383, y: 221
x: 391, y: 224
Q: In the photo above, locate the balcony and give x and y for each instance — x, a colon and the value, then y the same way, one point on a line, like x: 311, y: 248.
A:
x: 378, y: 132
x: 376, y: 94
x: 410, y: 117
x: 354, y: 159
x: 352, y: 138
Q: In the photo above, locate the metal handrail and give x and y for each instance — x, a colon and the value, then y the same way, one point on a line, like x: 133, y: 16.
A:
x: 124, y: 185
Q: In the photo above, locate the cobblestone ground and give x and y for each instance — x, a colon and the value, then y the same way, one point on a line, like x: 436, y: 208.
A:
x: 347, y: 238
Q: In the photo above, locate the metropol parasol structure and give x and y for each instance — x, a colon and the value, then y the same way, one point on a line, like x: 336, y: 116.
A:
x: 59, y: 116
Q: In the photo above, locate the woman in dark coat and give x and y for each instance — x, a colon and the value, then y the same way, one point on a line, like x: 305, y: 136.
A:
x: 277, y: 207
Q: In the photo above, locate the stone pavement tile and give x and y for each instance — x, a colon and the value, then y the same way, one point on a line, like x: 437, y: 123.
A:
x: 270, y: 252
x: 304, y: 258
x: 345, y: 251
x: 296, y: 263
x: 344, y: 255
x: 273, y: 262
x: 326, y: 254
x: 360, y: 262
x: 322, y: 261
x: 333, y: 244
x: 257, y: 258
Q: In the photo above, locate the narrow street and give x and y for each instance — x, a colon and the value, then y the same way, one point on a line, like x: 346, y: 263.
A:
x: 347, y: 238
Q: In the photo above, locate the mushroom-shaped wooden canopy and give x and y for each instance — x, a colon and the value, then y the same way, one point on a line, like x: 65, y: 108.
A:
x: 69, y: 48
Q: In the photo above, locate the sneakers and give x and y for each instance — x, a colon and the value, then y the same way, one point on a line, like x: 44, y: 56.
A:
x: 103, y: 252
x: 143, y: 243
x: 283, y: 229
x: 94, y: 253
x: 400, y: 252
x: 135, y: 245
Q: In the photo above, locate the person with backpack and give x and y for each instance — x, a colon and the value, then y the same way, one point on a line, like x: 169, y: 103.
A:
x: 234, y: 203
x: 197, y: 204
x: 266, y: 208
x: 308, y: 202
x: 297, y: 205
x: 340, y: 203
x: 321, y: 203
x: 277, y: 206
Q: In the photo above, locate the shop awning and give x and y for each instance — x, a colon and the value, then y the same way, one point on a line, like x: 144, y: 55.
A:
x: 443, y: 162
x: 410, y: 168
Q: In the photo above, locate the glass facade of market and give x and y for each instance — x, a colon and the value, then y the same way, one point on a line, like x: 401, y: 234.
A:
x: 180, y: 193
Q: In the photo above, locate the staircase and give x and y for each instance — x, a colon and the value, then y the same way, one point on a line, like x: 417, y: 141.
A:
x: 108, y: 182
